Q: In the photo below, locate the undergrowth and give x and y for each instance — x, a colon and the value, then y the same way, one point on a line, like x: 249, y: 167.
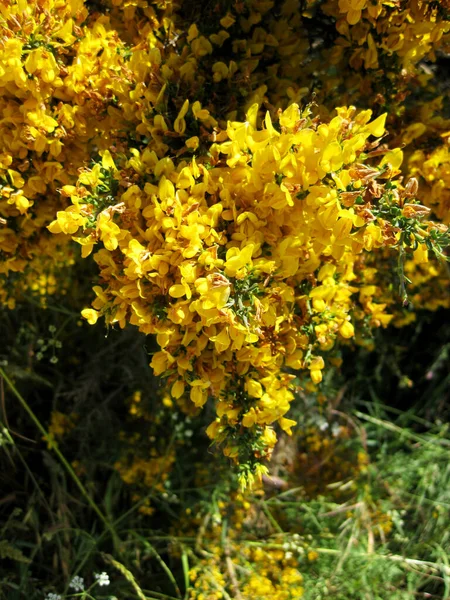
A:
x: 357, y: 501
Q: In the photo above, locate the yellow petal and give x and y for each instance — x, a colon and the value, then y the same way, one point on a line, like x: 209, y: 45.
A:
x: 347, y: 330
x: 177, y: 291
x: 377, y: 127
x: 177, y: 389
x: 107, y: 161
x: 90, y: 315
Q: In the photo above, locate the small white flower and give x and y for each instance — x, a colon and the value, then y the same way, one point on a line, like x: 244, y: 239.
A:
x: 102, y: 578
x: 77, y: 583
x: 288, y: 555
x: 336, y: 429
x: 52, y: 596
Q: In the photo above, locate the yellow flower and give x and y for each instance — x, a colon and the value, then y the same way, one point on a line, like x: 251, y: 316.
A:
x: 90, y: 315
x: 347, y: 330
x: 253, y: 388
x: 178, y: 389
x: 193, y: 142
x: 227, y: 21
x: 199, y: 394
x: 109, y: 231
x: 237, y: 259
x: 180, y: 124
x: 68, y: 221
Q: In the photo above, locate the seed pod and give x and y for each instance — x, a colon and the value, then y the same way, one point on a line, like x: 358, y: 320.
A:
x: 411, y: 188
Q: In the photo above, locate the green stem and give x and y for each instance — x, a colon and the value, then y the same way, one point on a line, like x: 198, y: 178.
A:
x: 164, y: 566
x: 271, y: 518
x: 157, y: 595
x: 60, y: 455
x: 394, y: 557
x: 439, y: 443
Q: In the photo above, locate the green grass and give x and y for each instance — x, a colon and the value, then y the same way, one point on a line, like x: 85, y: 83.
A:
x: 379, y: 525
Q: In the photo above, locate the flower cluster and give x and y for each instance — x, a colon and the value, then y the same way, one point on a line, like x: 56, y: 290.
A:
x: 61, y: 73
x: 250, y: 231
x: 231, y: 560
x: 244, y: 261
x: 373, y: 32
x: 433, y: 171
x: 102, y: 578
x: 74, y: 82
x: 77, y: 583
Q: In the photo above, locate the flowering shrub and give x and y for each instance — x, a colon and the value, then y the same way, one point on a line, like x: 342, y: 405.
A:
x: 58, y: 79
x: 235, y: 208
x: 243, y: 264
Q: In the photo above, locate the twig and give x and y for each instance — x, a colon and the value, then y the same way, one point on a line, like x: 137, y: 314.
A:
x: 343, y: 508
x: 229, y: 563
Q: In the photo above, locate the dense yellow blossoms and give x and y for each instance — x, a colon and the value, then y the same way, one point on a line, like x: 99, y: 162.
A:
x: 271, y: 576
x: 58, y: 81
x: 434, y: 171
x: 376, y: 29
x: 245, y: 567
x: 242, y: 261
x: 247, y: 227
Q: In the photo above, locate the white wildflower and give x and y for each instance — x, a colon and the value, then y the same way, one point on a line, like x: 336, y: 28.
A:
x: 336, y: 430
x: 52, y: 596
x: 77, y: 583
x: 102, y: 578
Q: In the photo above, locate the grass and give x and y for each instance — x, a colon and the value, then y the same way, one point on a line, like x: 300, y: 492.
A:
x: 359, y: 503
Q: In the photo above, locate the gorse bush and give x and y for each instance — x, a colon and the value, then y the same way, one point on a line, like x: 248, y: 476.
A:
x: 256, y: 194
x: 245, y: 268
